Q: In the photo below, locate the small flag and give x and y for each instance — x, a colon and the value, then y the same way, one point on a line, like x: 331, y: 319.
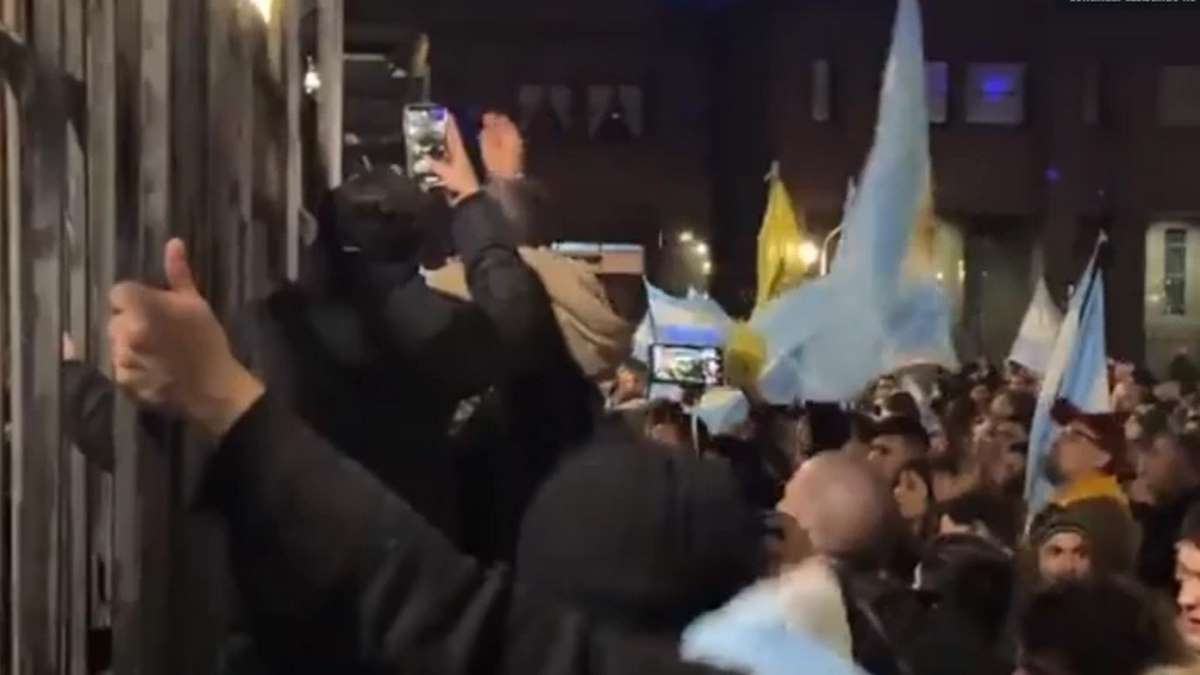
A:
x: 1077, y: 371
x: 1039, y: 330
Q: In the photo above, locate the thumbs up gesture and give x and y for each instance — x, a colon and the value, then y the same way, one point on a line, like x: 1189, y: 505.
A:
x: 170, y: 352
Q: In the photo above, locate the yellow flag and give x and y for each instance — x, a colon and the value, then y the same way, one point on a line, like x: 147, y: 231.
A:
x: 745, y: 355
x: 781, y: 244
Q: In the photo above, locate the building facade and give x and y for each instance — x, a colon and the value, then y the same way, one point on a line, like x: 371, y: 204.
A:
x: 1050, y: 124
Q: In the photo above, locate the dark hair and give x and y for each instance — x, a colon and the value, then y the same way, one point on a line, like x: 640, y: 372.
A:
x: 972, y: 575
x: 667, y: 413
x: 1102, y: 626
x: 902, y: 404
x: 993, y: 512
x: 1189, y: 445
x: 919, y: 466
x: 830, y: 426
x: 1189, y: 530
x: 1023, y: 403
x: 905, y: 427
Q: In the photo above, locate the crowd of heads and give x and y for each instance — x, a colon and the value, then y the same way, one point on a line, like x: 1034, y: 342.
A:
x: 923, y: 481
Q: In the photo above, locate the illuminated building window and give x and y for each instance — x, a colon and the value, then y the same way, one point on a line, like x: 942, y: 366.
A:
x: 995, y: 94
x: 1179, y: 96
x: 937, y: 91
x: 1175, y: 272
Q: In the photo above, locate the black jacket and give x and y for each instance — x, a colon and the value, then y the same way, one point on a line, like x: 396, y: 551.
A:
x: 1160, y: 533
x: 342, y: 573
x: 379, y: 365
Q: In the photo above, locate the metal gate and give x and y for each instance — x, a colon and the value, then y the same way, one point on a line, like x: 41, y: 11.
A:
x: 123, y: 123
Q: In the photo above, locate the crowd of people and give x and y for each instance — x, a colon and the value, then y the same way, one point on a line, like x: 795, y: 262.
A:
x: 419, y: 480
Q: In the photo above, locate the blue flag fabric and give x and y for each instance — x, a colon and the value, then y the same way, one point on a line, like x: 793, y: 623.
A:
x: 1077, y: 371
x: 753, y: 634
x: 827, y: 339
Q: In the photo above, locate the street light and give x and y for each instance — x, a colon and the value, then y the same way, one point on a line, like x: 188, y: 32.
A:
x: 702, y: 249
x: 706, y: 268
x: 686, y: 237
x: 264, y: 8
x: 808, y: 253
x: 312, y: 79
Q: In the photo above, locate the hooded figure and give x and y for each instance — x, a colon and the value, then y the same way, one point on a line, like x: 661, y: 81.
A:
x: 640, y: 538
x: 377, y: 362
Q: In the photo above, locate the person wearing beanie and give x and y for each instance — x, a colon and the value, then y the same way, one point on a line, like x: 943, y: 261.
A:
x: 1088, y: 537
x: 1089, y: 456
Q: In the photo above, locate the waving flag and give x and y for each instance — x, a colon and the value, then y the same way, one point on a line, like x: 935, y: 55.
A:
x: 780, y: 263
x: 1077, y: 371
x: 1038, y: 333
x: 829, y: 338
x: 693, y: 320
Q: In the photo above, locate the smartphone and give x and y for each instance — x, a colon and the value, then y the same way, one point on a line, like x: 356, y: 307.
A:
x: 687, y: 365
x: 425, y: 126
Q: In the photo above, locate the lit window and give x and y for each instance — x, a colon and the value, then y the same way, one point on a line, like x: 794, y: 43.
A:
x: 822, y: 91
x: 1179, y: 96
x: 937, y: 89
x: 1175, y: 273
x: 995, y: 93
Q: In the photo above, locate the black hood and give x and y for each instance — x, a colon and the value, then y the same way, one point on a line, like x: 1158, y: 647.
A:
x: 380, y: 216
x: 640, y: 537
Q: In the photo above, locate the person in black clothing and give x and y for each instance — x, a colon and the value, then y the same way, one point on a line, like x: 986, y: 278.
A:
x: 1170, y: 467
x: 1102, y: 626
x: 378, y: 362
x: 339, y: 570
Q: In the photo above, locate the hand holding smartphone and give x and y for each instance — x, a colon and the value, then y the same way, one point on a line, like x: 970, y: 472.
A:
x: 687, y: 365
x: 426, y: 130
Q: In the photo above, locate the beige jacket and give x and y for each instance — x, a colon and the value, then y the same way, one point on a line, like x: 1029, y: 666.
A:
x: 597, y: 337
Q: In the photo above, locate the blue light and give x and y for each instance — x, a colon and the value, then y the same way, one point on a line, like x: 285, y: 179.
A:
x: 996, y: 87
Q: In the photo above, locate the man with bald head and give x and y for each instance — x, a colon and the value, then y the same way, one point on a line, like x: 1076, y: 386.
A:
x: 841, y: 503
x: 848, y: 513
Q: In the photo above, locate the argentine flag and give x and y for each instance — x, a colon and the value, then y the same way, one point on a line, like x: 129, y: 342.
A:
x: 1077, y: 371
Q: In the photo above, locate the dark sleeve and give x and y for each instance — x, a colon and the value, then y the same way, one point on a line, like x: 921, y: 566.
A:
x: 88, y: 412
x: 503, y: 286
x: 433, y: 328
x: 313, y: 534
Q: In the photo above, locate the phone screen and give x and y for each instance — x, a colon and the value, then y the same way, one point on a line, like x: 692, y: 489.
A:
x: 687, y: 365
x: 425, y: 127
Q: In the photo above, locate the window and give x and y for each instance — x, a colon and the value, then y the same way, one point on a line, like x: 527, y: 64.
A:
x: 1179, y: 96
x: 1175, y: 272
x: 937, y: 88
x: 822, y: 91
x: 995, y: 93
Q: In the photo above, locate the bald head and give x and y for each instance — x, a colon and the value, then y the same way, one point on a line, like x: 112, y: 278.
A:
x: 841, y: 503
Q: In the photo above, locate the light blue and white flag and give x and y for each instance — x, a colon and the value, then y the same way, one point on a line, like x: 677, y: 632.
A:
x: 1039, y: 331
x: 695, y: 320
x: 827, y: 339
x: 1077, y: 371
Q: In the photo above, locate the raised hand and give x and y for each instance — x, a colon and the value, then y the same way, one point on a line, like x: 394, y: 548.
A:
x: 169, y: 351
x: 502, y: 147
x: 455, y: 173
